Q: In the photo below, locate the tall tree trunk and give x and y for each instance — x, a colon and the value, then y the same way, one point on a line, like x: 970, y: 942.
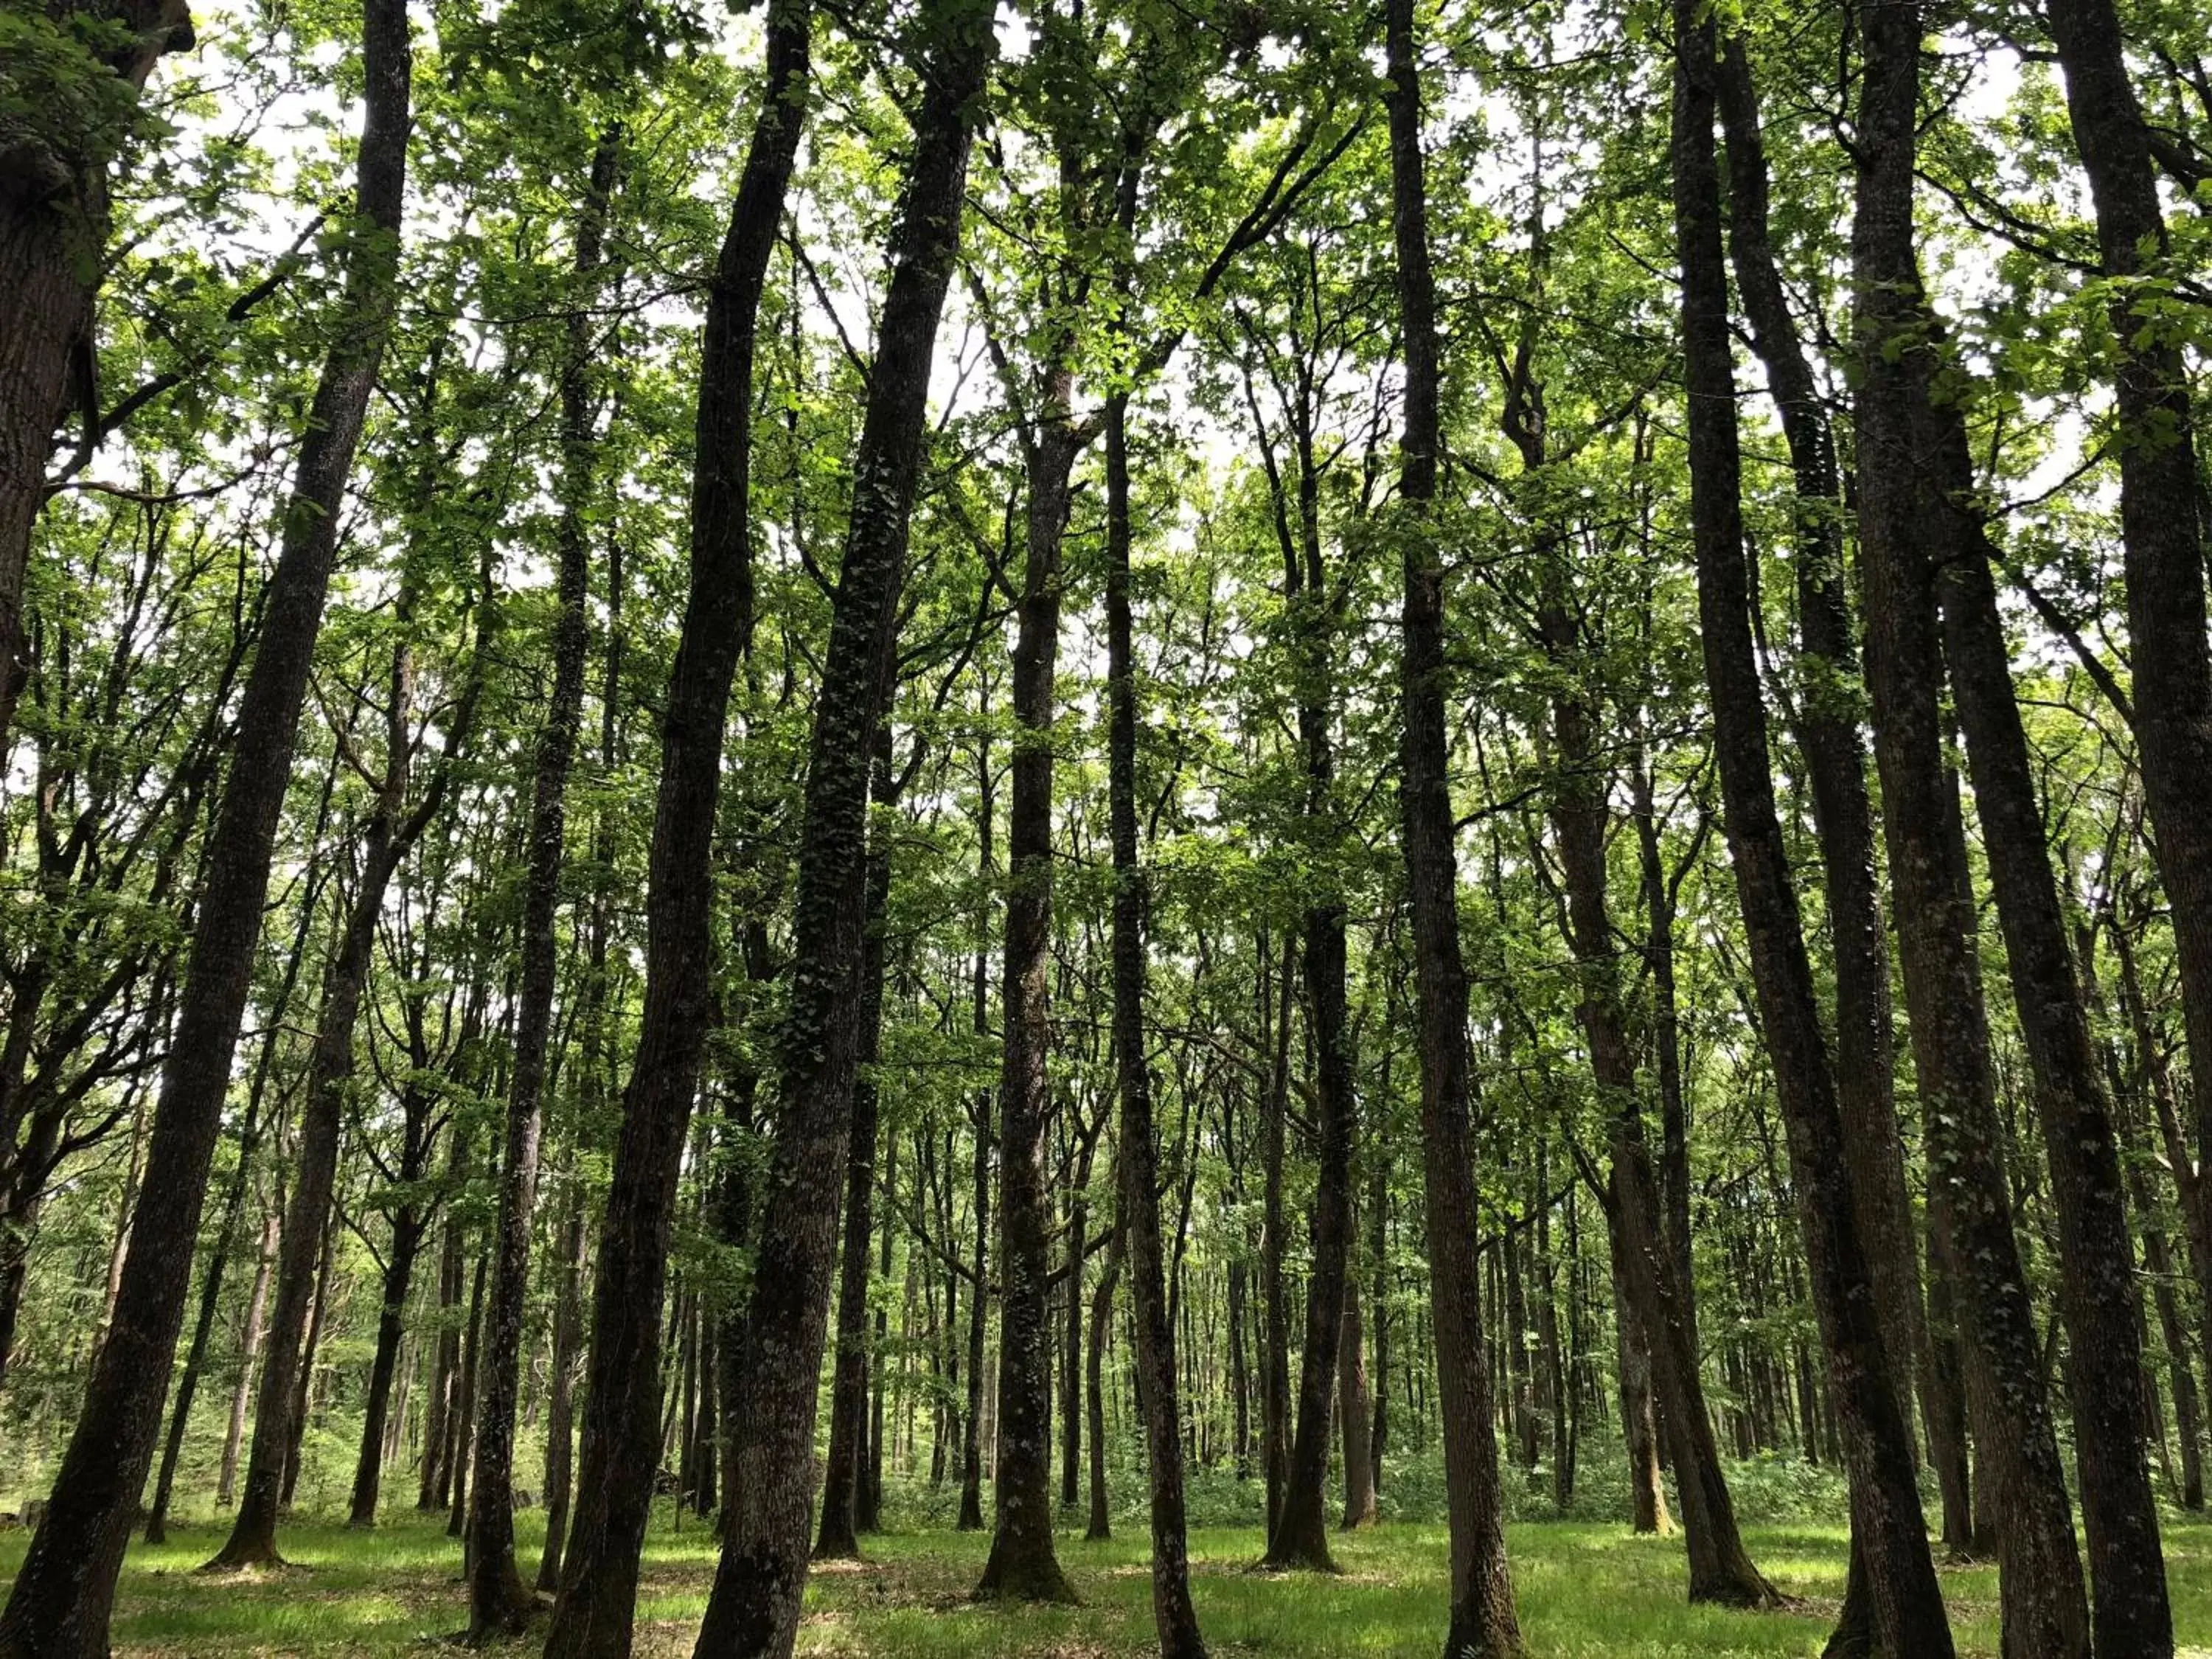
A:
x: 1071, y: 1363
x: 188, y: 1380
x: 2161, y: 514
x: 1378, y: 1248
x: 838, y: 1538
x: 971, y: 1426
x: 409, y: 1226
x: 54, y: 195
x: 460, y: 1425
x: 1275, y: 1379
x: 498, y: 1602
x: 1481, y: 1623
x: 1298, y: 1535
x: 2044, y: 1610
x: 1353, y: 1412
x: 1889, y: 1538
x: 1022, y: 1564
x: 303, y: 1386
x: 1173, y: 1615
x: 568, y: 1363
x: 249, y: 1357
x: 1829, y: 732
x: 598, y: 1580
x: 762, y: 1578
x: 59, y: 1605
x: 1721, y: 1568
x: 1102, y: 1316
x: 445, y: 1360
x: 1648, y: 1510
x: 2129, y: 1610
x: 870, y: 1508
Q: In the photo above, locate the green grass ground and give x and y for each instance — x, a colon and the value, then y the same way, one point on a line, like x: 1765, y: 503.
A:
x: 1586, y: 1592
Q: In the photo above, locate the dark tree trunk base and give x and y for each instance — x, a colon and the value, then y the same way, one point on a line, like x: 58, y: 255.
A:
x: 1469, y: 1637
x: 1027, y: 1576
x: 236, y: 1556
x: 1305, y: 1555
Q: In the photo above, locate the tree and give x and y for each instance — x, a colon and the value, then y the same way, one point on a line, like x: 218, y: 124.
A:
x: 62, y: 1597
x: 762, y: 1574
x: 1482, y: 1619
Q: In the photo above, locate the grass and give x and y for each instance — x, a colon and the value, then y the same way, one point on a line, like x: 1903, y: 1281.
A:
x: 1586, y: 1591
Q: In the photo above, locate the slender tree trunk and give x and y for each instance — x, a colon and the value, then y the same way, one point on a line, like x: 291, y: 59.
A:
x: 1379, y: 1247
x: 598, y: 1582
x: 568, y: 1363
x: 871, y: 1506
x: 1174, y: 1616
x: 408, y: 1227
x: 303, y: 1387
x: 1298, y: 1535
x: 761, y: 1581
x: 461, y: 1425
x: 1721, y: 1568
x: 446, y: 1362
x: 1022, y: 1564
x: 838, y: 1538
x: 971, y: 1429
x: 1275, y: 1412
x: 1889, y: 1537
x: 2044, y: 1608
x: 1071, y: 1364
x: 249, y: 1358
x: 226, y: 1239
x: 1481, y: 1623
x: 1102, y: 1315
x: 59, y: 1605
x: 498, y: 1602
x: 2130, y: 1608
x: 1640, y: 1415
x: 1354, y: 1414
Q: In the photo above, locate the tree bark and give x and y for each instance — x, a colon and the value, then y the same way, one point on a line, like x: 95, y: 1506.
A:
x: 1022, y: 1564
x: 499, y: 1603
x: 598, y: 1580
x: 1354, y: 1414
x: 838, y: 1538
x: 760, y: 1580
x: 1102, y: 1315
x: 2130, y: 1612
x: 1173, y: 1616
x: 408, y: 1227
x: 59, y: 1605
x: 249, y: 1357
x: 1275, y: 1377
x: 1481, y: 1623
x: 2045, y: 1611
x: 1889, y: 1538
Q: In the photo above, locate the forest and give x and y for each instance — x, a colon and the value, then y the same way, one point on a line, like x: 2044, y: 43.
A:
x: 1065, y: 829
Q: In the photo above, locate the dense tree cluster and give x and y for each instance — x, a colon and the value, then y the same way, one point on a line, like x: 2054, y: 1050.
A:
x: 1373, y: 760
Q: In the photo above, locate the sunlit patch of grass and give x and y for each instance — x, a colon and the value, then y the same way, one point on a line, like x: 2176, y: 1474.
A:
x: 1584, y: 1590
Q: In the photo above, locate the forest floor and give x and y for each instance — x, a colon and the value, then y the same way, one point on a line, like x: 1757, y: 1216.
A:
x: 1585, y: 1592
